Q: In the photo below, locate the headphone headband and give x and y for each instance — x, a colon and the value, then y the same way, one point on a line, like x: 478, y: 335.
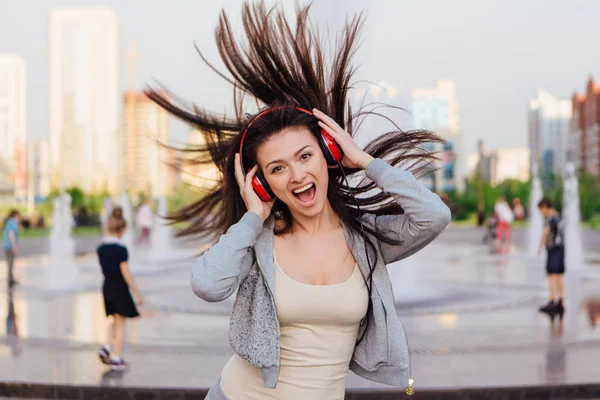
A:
x: 261, y: 114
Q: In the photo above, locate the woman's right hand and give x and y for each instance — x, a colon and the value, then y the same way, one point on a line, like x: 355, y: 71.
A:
x: 251, y: 199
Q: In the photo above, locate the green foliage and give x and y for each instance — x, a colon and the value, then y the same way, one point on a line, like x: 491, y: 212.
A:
x: 464, y: 204
x: 589, y: 195
x: 91, y: 201
x: 183, y: 195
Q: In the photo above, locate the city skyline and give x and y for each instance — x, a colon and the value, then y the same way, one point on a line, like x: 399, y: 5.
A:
x: 496, y: 71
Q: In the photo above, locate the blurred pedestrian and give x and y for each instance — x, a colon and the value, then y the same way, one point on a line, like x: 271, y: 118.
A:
x: 505, y: 220
x: 144, y: 219
x: 10, y: 229
x: 518, y: 209
x: 492, y: 226
x: 554, y: 241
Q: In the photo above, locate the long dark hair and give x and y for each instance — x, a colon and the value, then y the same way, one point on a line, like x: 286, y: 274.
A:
x: 284, y: 66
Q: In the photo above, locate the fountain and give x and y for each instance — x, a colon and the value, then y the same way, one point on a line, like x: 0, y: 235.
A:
x: 163, y: 255
x: 536, y: 220
x: 63, y: 270
x: 107, y: 207
x: 161, y: 234
x: 573, y: 249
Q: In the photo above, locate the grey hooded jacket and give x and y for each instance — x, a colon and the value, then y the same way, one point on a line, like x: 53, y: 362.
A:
x: 382, y: 355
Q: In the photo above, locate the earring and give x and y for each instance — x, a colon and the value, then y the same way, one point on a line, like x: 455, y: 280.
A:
x: 278, y: 214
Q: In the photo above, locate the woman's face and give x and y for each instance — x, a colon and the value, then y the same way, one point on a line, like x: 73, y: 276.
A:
x: 296, y: 170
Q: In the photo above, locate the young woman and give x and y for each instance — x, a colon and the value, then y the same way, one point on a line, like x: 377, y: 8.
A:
x: 305, y: 248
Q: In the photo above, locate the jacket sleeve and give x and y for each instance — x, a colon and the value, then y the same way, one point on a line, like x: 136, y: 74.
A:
x: 221, y: 269
x: 425, y: 214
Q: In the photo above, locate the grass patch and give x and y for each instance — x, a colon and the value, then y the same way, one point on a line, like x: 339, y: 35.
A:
x: 34, y: 233
x: 44, y: 232
x: 593, y: 223
x: 471, y: 220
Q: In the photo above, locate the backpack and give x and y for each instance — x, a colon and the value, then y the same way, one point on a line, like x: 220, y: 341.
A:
x: 556, y: 237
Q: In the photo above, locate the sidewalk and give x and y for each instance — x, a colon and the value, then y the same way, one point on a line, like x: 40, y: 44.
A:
x: 470, y: 315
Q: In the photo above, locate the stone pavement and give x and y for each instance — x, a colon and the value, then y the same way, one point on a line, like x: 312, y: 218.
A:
x: 470, y: 315
x: 40, y: 245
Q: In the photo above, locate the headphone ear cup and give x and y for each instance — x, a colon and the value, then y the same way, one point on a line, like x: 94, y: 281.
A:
x: 262, y: 189
x: 331, y: 150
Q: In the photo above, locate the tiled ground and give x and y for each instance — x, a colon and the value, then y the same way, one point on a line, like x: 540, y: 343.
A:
x: 470, y: 315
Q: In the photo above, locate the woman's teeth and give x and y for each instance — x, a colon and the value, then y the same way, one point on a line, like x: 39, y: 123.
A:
x: 303, y: 189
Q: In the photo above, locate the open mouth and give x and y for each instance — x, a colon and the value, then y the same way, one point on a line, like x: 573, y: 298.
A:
x: 306, y: 194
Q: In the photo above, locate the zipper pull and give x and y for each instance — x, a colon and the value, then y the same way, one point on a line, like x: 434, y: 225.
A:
x: 410, y: 390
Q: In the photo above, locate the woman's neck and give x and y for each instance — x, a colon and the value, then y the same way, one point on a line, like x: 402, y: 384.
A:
x: 326, y: 220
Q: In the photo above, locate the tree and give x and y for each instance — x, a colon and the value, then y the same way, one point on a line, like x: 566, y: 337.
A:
x: 77, y: 197
x: 589, y: 195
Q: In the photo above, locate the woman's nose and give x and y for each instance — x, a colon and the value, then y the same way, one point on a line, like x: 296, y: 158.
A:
x: 298, y: 175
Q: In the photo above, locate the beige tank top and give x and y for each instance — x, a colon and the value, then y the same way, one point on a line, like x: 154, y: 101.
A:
x: 319, y: 328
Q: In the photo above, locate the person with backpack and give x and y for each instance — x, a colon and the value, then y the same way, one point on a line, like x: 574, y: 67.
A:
x: 554, y: 240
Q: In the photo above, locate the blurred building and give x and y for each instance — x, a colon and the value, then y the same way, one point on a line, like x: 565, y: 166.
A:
x: 146, y: 160
x: 436, y: 109
x: 549, y: 140
x: 576, y: 153
x: 39, y: 162
x: 585, y: 128
x: 84, y: 100
x: 13, y: 132
x: 501, y: 164
x: 7, y: 182
x: 199, y: 176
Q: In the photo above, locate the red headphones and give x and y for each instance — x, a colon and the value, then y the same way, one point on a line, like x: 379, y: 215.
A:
x: 331, y: 150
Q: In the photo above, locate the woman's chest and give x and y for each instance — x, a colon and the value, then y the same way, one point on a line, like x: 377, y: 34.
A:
x: 318, y: 260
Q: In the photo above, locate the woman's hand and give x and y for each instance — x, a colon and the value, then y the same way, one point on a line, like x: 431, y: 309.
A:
x: 251, y: 199
x: 354, y: 156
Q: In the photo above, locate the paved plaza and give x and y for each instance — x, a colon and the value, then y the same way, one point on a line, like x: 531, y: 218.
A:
x: 470, y: 315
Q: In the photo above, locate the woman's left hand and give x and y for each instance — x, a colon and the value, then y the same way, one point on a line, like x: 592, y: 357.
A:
x: 354, y: 156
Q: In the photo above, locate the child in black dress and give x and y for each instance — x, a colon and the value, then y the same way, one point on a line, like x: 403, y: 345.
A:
x: 118, y: 280
x: 554, y: 241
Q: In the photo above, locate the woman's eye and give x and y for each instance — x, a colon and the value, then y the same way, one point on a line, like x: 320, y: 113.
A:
x: 276, y: 169
x: 305, y: 156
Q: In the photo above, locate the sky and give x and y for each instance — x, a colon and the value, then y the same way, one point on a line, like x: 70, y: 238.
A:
x: 499, y: 52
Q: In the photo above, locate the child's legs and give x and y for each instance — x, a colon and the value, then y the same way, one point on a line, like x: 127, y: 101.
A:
x: 556, y: 286
x: 120, y: 324
x: 111, y: 331
x: 499, y: 230
x: 551, y: 285
x: 10, y: 260
x: 559, y: 286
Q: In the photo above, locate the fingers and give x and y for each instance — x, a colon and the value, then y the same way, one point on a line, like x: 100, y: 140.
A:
x: 326, y: 119
x: 249, y: 176
x: 327, y: 129
x: 239, y: 174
